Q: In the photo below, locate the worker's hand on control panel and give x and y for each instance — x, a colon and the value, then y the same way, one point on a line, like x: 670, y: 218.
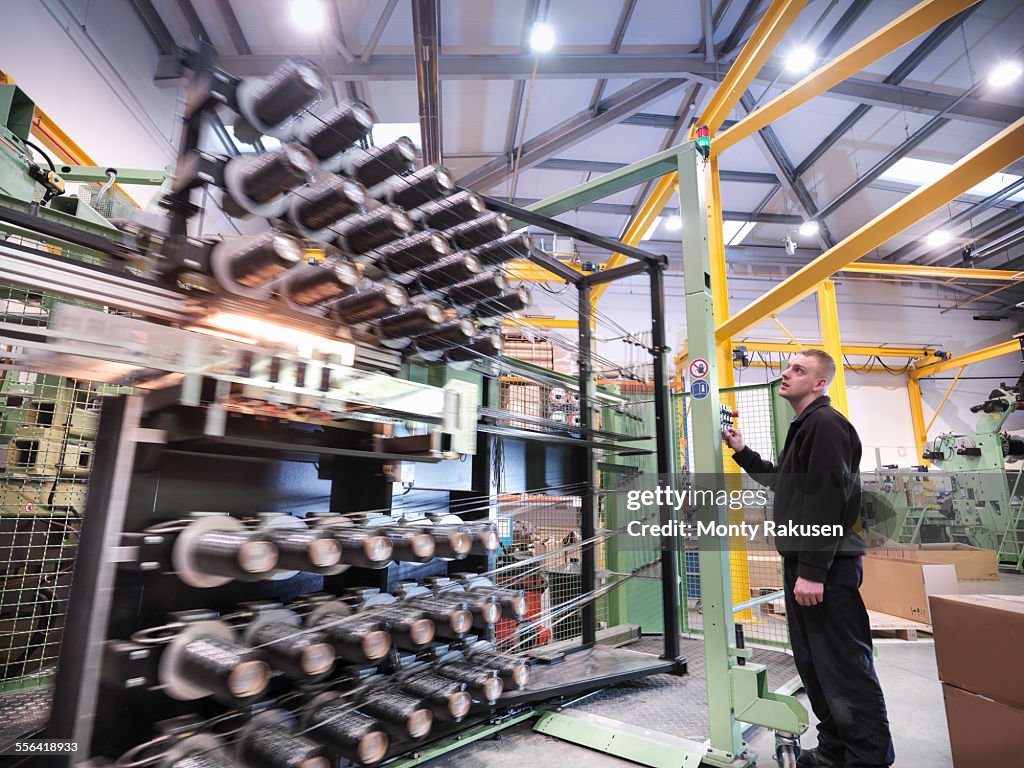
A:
x: 808, y: 593
x: 733, y: 438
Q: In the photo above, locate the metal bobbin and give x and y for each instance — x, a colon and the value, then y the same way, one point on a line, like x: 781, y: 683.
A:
x: 410, y: 628
x: 412, y: 253
x: 513, y: 670
x: 449, y: 271
x: 482, y: 682
x: 517, y: 245
x: 245, y: 266
x: 485, y: 345
x: 510, y: 301
x: 396, y: 330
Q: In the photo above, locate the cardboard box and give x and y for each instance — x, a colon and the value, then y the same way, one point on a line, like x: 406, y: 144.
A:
x: 982, y: 732
x: 765, y: 571
x: 971, y: 563
x: 902, y: 587
x: 978, y: 640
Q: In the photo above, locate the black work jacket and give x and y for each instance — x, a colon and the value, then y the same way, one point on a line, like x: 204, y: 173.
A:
x: 816, y: 482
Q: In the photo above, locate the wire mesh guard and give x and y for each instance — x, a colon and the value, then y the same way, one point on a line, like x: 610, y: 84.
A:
x: 47, y: 428
x: 754, y: 564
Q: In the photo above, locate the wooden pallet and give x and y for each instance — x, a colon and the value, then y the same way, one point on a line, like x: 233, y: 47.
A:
x: 885, y: 625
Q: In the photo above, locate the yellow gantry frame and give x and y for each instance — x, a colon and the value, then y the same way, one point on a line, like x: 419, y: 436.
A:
x: 932, y: 368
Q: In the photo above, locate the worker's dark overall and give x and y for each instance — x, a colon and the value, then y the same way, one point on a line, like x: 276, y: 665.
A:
x: 817, y: 481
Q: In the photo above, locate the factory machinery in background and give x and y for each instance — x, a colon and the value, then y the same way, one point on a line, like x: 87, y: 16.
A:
x: 245, y: 591
x: 970, y: 496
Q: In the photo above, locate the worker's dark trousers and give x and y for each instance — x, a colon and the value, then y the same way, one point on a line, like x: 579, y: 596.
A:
x: 832, y: 650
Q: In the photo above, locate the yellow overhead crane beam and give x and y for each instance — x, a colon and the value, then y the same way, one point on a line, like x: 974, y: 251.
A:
x: 991, y: 157
x: 958, y: 361
x: 528, y: 272
x: 920, y: 19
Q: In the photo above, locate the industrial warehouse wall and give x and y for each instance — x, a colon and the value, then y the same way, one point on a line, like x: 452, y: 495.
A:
x: 89, y: 66
x: 870, y: 312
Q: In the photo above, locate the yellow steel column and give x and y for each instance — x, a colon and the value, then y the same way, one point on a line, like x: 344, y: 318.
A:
x: 739, y: 564
x: 917, y: 416
x: 829, y: 311
x: 991, y: 157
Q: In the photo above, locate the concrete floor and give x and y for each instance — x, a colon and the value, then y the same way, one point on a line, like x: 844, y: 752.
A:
x: 906, y: 670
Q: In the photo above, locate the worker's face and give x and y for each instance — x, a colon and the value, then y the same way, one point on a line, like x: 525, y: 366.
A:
x: 802, y: 378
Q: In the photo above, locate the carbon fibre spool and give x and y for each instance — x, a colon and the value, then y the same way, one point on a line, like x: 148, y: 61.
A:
x: 352, y: 735
x: 450, y: 211
x: 514, y: 246
x: 358, y: 639
x: 448, y: 699
x: 367, y: 231
x: 204, y: 659
x: 483, y: 229
x: 449, y: 271
x: 315, y: 285
x: 480, y: 288
x: 336, y: 131
x: 302, y: 654
x: 482, y: 682
x: 420, y: 187
x: 269, y: 742
x: 402, y: 715
x: 369, y: 304
x: 377, y: 164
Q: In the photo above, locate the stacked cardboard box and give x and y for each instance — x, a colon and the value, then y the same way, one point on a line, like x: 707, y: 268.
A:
x: 977, y: 646
x: 971, y: 563
x: 902, y: 587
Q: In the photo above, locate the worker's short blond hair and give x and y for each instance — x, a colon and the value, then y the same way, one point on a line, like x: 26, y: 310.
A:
x: 826, y: 363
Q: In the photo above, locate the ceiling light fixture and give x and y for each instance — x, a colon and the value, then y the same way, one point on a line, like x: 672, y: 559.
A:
x: 938, y: 238
x: 1005, y: 73
x: 801, y: 59
x: 809, y: 228
x: 542, y: 37
x: 309, y: 14
x: 673, y: 223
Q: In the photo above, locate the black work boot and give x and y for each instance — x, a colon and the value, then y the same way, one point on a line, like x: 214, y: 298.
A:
x: 815, y: 758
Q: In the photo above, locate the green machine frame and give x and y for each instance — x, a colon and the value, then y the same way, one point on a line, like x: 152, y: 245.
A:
x: 738, y: 690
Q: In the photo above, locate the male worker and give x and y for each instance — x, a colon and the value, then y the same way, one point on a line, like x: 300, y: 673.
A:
x: 816, y: 482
